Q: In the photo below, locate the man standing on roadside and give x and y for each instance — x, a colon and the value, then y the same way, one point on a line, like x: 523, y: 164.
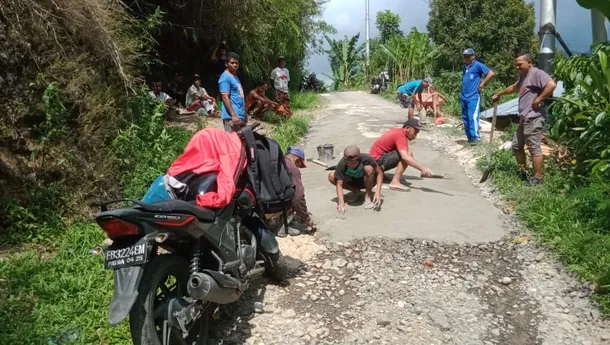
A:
x: 534, y: 86
x: 234, y: 108
x: 391, y: 150
x: 406, y: 94
x: 281, y: 77
x: 473, y: 70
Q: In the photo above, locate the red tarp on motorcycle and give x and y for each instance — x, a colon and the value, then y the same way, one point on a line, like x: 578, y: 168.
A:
x: 212, y: 150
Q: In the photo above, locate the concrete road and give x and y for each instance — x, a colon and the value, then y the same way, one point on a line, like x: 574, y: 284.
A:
x: 450, y: 210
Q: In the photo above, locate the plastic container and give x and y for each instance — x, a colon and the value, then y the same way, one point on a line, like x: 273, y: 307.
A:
x: 156, y: 192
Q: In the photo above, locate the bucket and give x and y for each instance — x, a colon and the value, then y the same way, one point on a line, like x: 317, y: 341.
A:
x: 325, y: 152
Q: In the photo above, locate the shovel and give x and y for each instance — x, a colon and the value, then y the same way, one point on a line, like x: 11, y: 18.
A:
x: 490, y: 166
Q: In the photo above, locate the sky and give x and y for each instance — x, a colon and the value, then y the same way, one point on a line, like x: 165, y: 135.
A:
x: 572, y: 22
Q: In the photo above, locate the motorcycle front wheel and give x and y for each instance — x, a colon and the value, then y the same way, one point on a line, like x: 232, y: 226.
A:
x: 164, y: 277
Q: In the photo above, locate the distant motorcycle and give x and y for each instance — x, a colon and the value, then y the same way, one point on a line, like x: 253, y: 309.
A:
x: 380, y: 83
x: 310, y: 83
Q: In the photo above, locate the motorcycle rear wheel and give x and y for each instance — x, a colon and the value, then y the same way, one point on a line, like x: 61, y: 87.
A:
x: 149, y: 311
x: 276, y: 266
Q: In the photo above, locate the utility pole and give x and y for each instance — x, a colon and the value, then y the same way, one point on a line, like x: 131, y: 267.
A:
x: 598, y: 26
x: 547, y: 34
x: 547, y: 45
x: 367, y: 19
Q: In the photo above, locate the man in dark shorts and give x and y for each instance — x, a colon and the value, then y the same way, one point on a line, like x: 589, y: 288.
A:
x: 534, y: 86
x: 391, y: 150
x: 406, y: 94
x: 234, y: 106
x: 354, y: 172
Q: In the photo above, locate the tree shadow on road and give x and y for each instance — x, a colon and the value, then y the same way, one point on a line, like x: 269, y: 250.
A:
x: 232, y: 322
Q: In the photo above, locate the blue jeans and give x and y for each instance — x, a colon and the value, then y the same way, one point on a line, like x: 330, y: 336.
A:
x: 470, y: 117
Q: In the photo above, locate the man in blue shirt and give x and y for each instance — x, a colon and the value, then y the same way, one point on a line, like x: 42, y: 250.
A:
x: 472, y: 86
x: 234, y: 107
x: 406, y: 91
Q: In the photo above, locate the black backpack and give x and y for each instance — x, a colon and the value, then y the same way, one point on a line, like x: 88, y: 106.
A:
x: 268, y: 173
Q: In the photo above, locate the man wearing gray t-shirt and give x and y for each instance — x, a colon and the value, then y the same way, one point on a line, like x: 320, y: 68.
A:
x: 533, y: 86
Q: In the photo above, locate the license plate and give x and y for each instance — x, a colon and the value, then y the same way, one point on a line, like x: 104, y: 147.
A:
x: 128, y: 256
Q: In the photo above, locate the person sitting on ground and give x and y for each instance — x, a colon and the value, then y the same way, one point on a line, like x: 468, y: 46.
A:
x: 197, y: 99
x: 233, y: 114
x: 257, y: 104
x: 406, y: 91
x: 295, y: 160
x: 174, y: 88
x: 391, y: 150
x: 354, y: 172
x: 159, y: 95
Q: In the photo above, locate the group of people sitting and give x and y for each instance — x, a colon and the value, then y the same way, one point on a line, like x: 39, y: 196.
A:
x: 235, y: 108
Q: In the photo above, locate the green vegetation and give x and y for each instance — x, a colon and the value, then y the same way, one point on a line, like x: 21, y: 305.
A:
x: 61, y: 290
x: 345, y: 58
x: 78, y: 127
x: 571, y: 210
x: 495, y: 29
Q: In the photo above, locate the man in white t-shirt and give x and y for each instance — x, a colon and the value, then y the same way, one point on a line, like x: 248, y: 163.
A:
x: 159, y: 95
x: 280, y: 77
x: 197, y: 99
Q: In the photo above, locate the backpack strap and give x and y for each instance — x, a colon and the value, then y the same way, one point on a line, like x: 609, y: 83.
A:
x: 274, y: 153
x: 250, y: 143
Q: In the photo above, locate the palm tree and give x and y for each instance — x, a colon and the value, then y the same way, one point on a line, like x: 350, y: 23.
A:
x: 344, y: 56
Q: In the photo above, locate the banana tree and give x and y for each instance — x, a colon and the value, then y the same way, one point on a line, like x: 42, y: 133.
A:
x: 344, y: 56
x: 411, y: 56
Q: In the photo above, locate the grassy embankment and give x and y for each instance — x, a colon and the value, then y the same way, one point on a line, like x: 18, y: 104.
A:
x: 62, y: 291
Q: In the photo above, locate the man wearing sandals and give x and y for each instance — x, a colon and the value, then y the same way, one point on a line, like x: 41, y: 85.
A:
x: 354, y: 172
x: 391, y: 150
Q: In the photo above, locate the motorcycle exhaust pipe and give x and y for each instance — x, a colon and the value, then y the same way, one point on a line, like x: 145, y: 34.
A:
x: 203, y: 287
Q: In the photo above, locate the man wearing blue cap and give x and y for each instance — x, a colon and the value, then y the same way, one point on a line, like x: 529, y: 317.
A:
x: 295, y: 159
x: 472, y: 86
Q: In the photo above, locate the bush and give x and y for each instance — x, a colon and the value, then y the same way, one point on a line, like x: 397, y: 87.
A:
x: 583, y: 113
x: 145, y: 149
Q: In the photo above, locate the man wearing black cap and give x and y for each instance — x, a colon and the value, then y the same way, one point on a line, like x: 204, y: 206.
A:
x: 391, y: 150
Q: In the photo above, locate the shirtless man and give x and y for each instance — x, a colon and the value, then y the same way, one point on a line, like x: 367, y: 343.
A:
x: 256, y: 102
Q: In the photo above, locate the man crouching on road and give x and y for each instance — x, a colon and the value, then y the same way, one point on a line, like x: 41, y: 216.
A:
x: 295, y: 159
x: 354, y: 172
x: 391, y: 150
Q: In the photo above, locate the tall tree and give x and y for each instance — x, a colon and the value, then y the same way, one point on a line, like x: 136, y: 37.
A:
x: 497, y: 29
x: 388, y: 24
x: 345, y: 57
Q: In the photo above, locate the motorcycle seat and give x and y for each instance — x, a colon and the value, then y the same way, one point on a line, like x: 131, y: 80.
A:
x: 179, y: 206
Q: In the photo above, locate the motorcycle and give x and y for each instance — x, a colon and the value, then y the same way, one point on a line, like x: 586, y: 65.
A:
x: 380, y: 83
x: 310, y: 83
x: 174, y: 261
